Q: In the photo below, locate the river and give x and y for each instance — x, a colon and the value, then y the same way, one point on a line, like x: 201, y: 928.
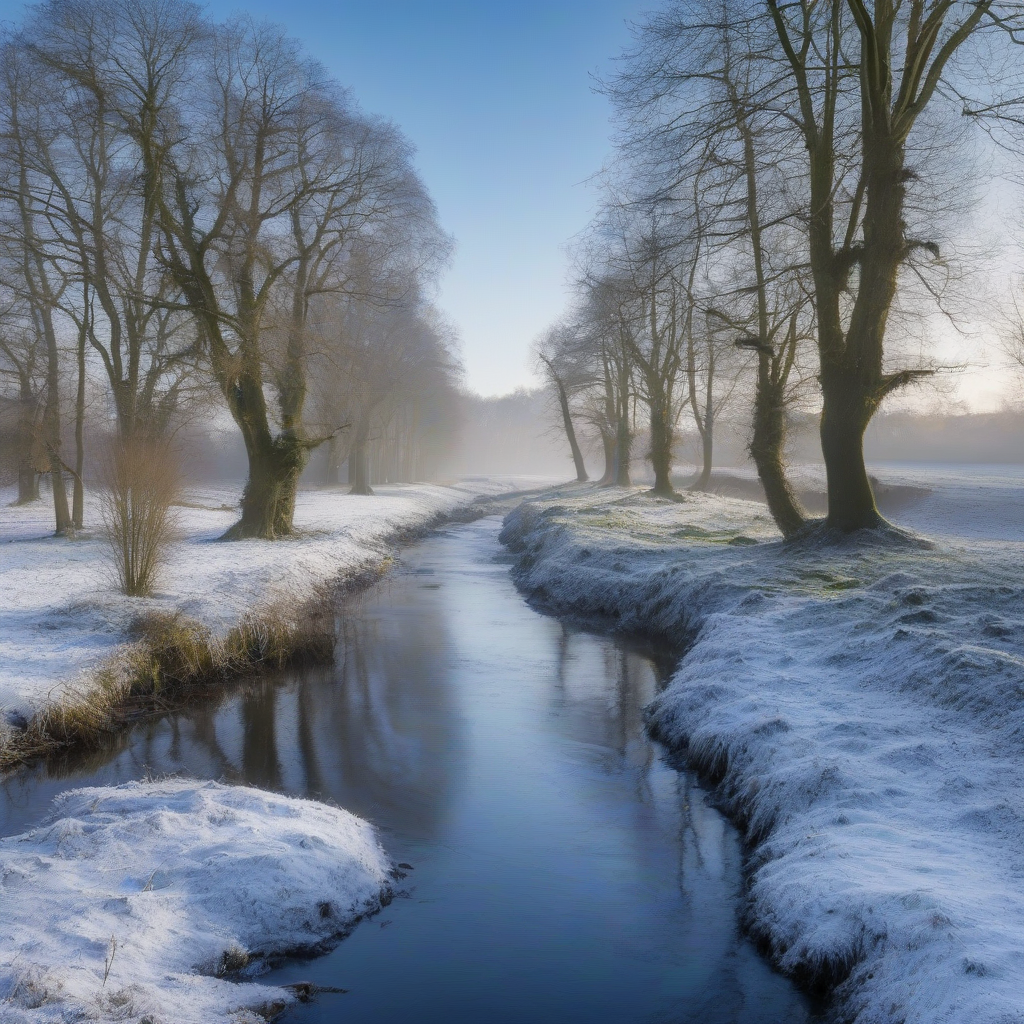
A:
x: 564, y: 867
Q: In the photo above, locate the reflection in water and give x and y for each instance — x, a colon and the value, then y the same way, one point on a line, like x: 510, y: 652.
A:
x: 352, y: 734
x: 564, y: 868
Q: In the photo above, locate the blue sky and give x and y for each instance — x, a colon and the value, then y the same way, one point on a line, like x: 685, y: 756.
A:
x: 498, y: 99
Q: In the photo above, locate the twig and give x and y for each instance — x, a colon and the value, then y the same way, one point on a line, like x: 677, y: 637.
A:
x: 109, y: 961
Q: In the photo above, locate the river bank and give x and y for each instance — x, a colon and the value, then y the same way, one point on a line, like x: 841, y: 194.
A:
x: 859, y: 710
x: 162, y: 902
x: 77, y: 657
x: 558, y: 863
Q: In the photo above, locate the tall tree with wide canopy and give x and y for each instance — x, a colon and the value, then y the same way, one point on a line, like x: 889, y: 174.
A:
x: 869, y: 73
x: 267, y: 190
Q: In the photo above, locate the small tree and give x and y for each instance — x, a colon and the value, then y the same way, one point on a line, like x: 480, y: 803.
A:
x: 603, y: 336
x: 142, y: 483
x: 564, y: 367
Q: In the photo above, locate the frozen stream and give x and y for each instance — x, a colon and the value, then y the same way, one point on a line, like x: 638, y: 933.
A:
x: 564, y: 869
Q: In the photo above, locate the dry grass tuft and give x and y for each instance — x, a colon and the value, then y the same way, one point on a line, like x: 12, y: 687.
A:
x: 172, y: 661
x: 284, y: 635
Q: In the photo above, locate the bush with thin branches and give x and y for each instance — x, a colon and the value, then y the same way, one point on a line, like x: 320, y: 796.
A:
x: 142, y: 483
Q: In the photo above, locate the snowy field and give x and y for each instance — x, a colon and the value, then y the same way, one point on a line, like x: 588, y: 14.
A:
x: 131, y: 903
x: 61, y: 613
x: 862, y: 708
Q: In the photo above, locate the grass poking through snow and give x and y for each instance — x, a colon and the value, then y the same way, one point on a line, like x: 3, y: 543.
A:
x: 174, y: 660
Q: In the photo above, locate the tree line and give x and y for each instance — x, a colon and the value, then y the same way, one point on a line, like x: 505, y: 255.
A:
x: 194, y: 215
x: 779, y: 208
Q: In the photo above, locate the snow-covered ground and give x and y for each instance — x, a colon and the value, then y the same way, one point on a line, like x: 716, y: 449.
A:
x: 61, y: 613
x: 980, y: 502
x: 130, y: 903
x: 862, y: 708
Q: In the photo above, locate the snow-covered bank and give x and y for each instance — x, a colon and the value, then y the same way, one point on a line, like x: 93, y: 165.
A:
x: 131, y: 903
x: 61, y: 614
x: 863, y: 711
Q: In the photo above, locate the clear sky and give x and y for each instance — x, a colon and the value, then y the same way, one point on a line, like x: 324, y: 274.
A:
x: 497, y: 98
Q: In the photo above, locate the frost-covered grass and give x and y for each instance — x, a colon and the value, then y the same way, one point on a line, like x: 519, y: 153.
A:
x: 160, y: 901
x: 862, y: 709
x: 62, y: 617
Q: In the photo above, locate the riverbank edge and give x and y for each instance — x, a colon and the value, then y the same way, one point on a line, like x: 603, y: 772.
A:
x: 640, y: 606
x: 170, y: 661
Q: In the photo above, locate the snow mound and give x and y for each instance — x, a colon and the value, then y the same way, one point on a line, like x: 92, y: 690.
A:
x: 861, y: 708
x: 154, y: 901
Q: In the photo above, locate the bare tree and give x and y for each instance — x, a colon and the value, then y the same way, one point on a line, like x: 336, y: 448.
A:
x: 387, y: 361
x: 701, y: 129
x: 1011, y: 332
x: 21, y: 365
x: 37, y: 278
x: 868, y: 74
x: 605, y: 334
x: 712, y: 375
x: 262, y: 203
x: 563, y: 361
x: 655, y: 255
x: 116, y: 67
x: 180, y: 203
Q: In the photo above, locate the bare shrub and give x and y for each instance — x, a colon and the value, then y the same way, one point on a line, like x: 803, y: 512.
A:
x: 142, y: 483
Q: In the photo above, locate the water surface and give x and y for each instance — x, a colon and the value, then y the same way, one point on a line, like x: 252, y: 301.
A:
x: 564, y: 868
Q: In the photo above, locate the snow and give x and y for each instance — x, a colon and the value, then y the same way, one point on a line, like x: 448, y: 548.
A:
x: 61, y: 613
x: 861, y: 708
x: 176, y: 879
x: 980, y: 502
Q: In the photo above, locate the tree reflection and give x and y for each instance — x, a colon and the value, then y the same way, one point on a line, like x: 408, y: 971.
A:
x: 601, y: 689
x: 260, y: 764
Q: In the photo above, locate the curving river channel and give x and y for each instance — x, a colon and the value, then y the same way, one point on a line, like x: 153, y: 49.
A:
x: 564, y: 867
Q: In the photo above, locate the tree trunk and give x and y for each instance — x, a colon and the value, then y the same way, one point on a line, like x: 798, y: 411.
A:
x: 28, y: 482
x: 707, y: 450
x: 623, y: 444
x: 274, y: 462
x: 259, y: 500
x: 661, y: 450
x: 706, y: 428
x: 51, y: 420
x: 296, y: 457
x: 852, y: 381
x: 767, y: 447
x: 331, y: 462
x: 61, y: 512
x: 51, y: 430
x: 284, y: 515
x: 28, y: 477
x: 78, y: 497
x: 359, y: 464
x: 268, y: 501
x: 608, y: 443
x: 844, y: 418
x: 570, y: 432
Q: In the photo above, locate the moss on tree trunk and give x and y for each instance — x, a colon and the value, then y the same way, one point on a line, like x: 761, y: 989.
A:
x: 661, y: 450
x: 767, y: 448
